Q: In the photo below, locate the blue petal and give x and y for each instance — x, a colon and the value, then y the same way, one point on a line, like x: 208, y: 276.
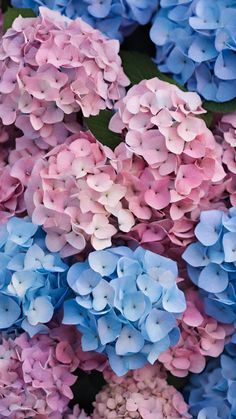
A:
x: 195, y: 255
x: 74, y: 272
x: 109, y: 327
x: 213, y: 278
x: 159, y: 324
x: 225, y: 65
x: 73, y: 313
x: 103, y: 294
x: 151, y: 288
x: 129, y: 341
x: 229, y: 246
x: 209, y: 228
x: 174, y: 300
x: 134, y: 305
x: 103, y: 262
x: 9, y: 311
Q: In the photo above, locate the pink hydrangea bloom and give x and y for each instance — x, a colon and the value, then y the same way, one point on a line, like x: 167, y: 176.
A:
x: 51, y: 66
x: 181, y: 161
x: 140, y: 394
x: 225, y: 133
x: 201, y: 336
x: 36, y: 373
x: 75, y: 194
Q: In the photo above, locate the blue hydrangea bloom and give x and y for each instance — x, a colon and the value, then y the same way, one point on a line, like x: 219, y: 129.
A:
x: 126, y: 304
x: 212, y: 263
x: 115, y: 18
x: 196, y: 43
x: 211, y: 394
x: 32, y: 280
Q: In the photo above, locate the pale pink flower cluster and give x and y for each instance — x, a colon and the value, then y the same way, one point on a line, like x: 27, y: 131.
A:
x: 140, y: 394
x: 225, y: 133
x: 51, y: 66
x: 181, y: 167
x: 75, y: 194
x: 36, y: 373
x: 201, y: 336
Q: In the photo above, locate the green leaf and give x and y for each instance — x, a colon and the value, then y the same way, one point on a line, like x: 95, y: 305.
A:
x: 12, y: 13
x: 208, y: 118
x: 139, y: 67
x: 98, y: 125
x: 222, y: 107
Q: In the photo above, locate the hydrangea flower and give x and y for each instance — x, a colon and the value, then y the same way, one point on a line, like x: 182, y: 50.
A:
x: 211, y: 263
x: 181, y: 171
x: 51, y: 66
x: 225, y: 133
x: 201, y: 337
x: 211, y: 394
x: 126, y: 305
x: 196, y: 43
x: 36, y: 374
x: 76, y: 195
x: 33, y: 281
x: 142, y: 394
x: 115, y: 18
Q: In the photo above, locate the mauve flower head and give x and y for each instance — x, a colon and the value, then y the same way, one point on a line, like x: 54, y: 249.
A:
x: 115, y: 18
x: 201, y: 337
x: 196, y: 43
x: 211, y: 263
x: 33, y: 280
x: 75, y: 194
x: 142, y: 394
x: 51, y: 66
x: 180, y: 170
x: 211, y: 394
x: 126, y: 305
x: 36, y: 374
x: 225, y: 134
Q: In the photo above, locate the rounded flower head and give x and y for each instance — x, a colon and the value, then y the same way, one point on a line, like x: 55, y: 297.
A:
x: 225, y: 133
x: 115, y: 18
x: 201, y: 336
x: 195, y: 42
x: 36, y: 374
x: 51, y: 66
x: 33, y: 280
x: 211, y: 394
x: 75, y: 194
x: 181, y: 167
x: 142, y: 394
x: 211, y: 263
x: 126, y: 304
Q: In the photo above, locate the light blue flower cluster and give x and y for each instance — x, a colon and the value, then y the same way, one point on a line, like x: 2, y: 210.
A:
x: 115, y: 18
x: 196, y: 43
x: 211, y: 394
x: 32, y: 281
x: 126, y: 305
x: 212, y: 263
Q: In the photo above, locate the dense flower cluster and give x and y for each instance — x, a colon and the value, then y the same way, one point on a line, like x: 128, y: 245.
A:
x: 142, y: 394
x: 211, y: 262
x: 36, y: 374
x: 51, y: 66
x: 212, y: 393
x: 201, y: 336
x: 225, y: 133
x: 33, y: 280
x: 196, y: 43
x: 126, y: 305
x: 75, y: 195
x: 115, y: 18
x: 183, y: 161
